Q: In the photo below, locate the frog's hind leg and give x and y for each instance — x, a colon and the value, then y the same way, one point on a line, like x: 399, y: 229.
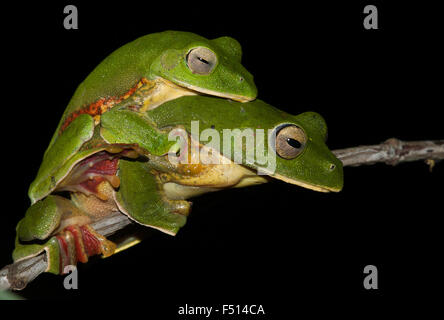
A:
x: 66, y: 222
x: 65, y: 228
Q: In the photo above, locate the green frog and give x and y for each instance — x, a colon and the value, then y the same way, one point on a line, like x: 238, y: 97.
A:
x: 147, y: 163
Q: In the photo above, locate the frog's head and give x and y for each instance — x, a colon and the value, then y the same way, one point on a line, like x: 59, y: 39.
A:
x: 302, y: 157
x: 211, y: 67
x: 292, y: 147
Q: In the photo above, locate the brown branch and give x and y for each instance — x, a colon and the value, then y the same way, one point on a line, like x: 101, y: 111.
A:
x: 17, y: 275
x: 393, y: 151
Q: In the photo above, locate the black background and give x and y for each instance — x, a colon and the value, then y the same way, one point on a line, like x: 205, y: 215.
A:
x: 277, y: 245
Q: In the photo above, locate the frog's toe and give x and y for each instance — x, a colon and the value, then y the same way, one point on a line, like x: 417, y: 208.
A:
x: 179, y: 206
x: 78, y: 243
x: 106, y: 247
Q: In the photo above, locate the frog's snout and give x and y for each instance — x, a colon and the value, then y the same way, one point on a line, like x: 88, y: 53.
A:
x: 335, y: 174
x: 248, y: 90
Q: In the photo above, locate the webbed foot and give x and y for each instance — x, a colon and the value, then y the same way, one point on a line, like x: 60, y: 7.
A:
x: 78, y: 243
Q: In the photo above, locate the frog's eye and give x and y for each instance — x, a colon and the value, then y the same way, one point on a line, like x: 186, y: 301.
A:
x: 290, y: 141
x: 201, y: 60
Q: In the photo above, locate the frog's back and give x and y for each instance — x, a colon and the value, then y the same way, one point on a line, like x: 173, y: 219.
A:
x: 122, y: 69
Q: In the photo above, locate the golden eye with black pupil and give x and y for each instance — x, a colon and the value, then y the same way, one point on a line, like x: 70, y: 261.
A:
x: 290, y: 141
x: 201, y: 60
x: 294, y: 143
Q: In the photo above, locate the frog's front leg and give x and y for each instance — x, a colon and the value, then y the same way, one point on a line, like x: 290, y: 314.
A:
x: 141, y: 198
x: 71, y: 239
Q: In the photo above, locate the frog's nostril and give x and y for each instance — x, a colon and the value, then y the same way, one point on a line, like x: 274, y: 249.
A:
x: 332, y: 167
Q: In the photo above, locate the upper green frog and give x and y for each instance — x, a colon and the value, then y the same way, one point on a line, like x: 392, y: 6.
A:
x: 160, y: 67
x: 206, y: 66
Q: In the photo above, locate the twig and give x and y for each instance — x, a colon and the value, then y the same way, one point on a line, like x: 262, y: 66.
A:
x: 393, y: 151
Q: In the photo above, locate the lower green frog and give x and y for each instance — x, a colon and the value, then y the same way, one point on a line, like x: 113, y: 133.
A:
x: 147, y: 163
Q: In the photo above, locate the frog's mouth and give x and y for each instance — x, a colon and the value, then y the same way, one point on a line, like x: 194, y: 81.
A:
x: 306, y: 185
x: 200, y: 91
x: 303, y: 184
